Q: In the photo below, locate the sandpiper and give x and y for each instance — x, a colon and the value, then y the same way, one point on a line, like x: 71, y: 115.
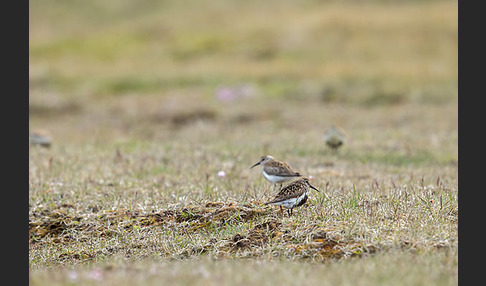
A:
x: 40, y: 137
x: 293, y: 195
x: 276, y: 171
x: 334, y: 137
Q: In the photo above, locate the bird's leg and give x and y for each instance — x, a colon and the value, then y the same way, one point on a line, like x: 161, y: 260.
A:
x: 289, y: 211
x: 266, y: 190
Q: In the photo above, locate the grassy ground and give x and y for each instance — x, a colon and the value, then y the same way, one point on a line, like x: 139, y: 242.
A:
x: 146, y: 103
x: 401, y: 268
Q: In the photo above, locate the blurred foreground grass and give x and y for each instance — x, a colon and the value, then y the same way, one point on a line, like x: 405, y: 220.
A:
x: 147, y: 101
x: 430, y: 269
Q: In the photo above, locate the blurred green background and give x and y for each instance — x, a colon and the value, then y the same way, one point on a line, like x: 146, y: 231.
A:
x: 97, y: 66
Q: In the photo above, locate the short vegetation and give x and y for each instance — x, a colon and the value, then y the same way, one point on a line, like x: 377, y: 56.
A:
x: 158, y: 109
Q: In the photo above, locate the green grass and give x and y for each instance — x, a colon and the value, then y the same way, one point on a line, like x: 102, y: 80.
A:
x: 131, y: 94
x: 382, y: 269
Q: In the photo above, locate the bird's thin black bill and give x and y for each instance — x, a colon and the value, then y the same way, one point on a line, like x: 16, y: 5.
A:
x: 256, y: 164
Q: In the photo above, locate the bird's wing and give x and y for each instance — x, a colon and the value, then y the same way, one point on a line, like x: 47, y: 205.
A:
x: 287, y: 192
x: 280, y: 168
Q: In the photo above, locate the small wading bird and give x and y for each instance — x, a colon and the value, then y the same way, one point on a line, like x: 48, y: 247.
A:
x: 334, y: 137
x: 293, y: 195
x: 276, y: 171
x: 40, y: 137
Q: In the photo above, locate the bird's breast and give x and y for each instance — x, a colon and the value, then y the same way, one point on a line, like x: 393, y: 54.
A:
x: 301, y: 200
x: 275, y: 178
